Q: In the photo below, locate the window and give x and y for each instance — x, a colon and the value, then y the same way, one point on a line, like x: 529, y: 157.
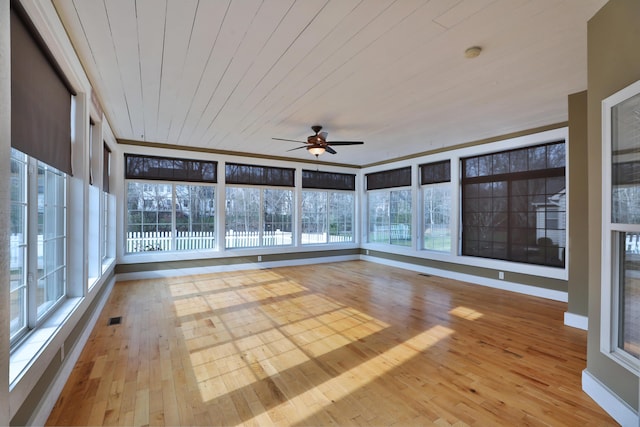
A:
x: 514, y: 205
x: 389, y: 210
x: 255, y: 214
x: 38, y: 243
x: 41, y: 111
x: 436, y: 205
x: 170, y: 217
x: 328, y: 211
x: 257, y: 217
x: 620, y: 328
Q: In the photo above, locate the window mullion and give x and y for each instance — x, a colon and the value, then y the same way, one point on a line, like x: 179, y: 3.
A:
x: 261, y: 219
x: 174, y: 227
x: 327, y: 216
x: 33, y: 247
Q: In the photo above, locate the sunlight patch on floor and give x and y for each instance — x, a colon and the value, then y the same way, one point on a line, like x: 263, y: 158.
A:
x: 239, y: 338
x: 466, y: 313
x: 361, y: 375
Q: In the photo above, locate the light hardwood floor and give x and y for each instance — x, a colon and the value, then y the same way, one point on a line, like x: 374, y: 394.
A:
x: 352, y: 343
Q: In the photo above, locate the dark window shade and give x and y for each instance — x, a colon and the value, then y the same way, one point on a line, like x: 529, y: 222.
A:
x: 388, y: 179
x: 520, y: 160
x: 169, y: 169
x: 40, y: 101
x: 434, y: 173
x: 514, y: 205
x: 328, y: 180
x: 106, y: 167
x: 236, y: 173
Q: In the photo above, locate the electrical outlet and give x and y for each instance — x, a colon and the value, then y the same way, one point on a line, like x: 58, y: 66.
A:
x: 501, y: 275
x: 259, y: 258
x: 367, y: 251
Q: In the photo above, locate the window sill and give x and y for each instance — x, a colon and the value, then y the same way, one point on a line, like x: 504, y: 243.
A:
x: 33, y: 345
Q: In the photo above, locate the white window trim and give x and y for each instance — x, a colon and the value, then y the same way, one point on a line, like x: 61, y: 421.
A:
x: 609, y: 275
x: 329, y: 192
x: 414, y: 223
x: 171, y: 253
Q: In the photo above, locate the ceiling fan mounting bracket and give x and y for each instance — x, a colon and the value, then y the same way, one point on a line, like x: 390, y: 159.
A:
x: 316, y: 128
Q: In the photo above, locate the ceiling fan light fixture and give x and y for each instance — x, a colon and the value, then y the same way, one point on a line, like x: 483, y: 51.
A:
x: 472, y: 52
x: 316, y: 151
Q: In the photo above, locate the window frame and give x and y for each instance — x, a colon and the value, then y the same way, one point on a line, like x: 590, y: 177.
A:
x: 31, y: 281
x: 389, y: 192
x: 173, y: 245
x: 328, y: 214
x: 611, y: 243
x: 261, y: 216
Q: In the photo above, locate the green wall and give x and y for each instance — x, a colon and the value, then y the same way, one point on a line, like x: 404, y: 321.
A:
x: 228, y: 261
x: 613, y: 63
x: 578, y: 204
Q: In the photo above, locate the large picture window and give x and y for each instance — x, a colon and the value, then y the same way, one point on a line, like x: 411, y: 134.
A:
x: 389, y: 207
x: 167, y: 216
x: 514, y: 205
x: 620, y: 329
x: 256, y: 215
x: 327, y: 211
x: 170, y: 216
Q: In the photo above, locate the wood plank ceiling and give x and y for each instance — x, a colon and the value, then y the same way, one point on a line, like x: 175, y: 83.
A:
x: 230, y: 75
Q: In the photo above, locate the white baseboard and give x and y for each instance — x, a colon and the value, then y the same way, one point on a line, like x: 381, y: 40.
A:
x: 157, y: 274
x: 618, y: 409
x: 576, y: 321
x: 484, y: 281
x: 42, y: 412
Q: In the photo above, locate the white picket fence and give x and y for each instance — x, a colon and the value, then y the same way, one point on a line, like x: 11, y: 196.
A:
x: 248, y: 239
x: 161, y: 241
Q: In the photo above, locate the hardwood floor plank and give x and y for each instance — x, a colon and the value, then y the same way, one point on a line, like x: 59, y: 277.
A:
x: 350, y: 343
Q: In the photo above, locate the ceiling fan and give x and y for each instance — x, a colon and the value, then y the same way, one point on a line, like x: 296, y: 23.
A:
x: 318, y: 144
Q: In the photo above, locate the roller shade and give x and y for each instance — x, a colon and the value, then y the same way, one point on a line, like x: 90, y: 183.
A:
x: 40, y: 100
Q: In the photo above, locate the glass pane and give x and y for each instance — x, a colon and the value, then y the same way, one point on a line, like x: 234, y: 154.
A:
x: 195, y: 217
x: 629, y: 326
x: 278, y: 212
x: 625, y: 203
x: 518, y: 160
x: 242, y: 225
x: 314, y: 217
x: 537, y: 157
x: 51, y: 273
x: 400, y: 217
x: 500, y: 163
x: 436, y: 211
x: 378, y: 217
x: 341, y: 212
x: 149, y: 217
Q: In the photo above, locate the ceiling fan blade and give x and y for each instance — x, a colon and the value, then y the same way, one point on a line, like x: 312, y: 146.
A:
x: 297, y: 148
x: 290, y: 140
x: 345, y: 142
x: 330, y: 150
x: 323, y: 135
